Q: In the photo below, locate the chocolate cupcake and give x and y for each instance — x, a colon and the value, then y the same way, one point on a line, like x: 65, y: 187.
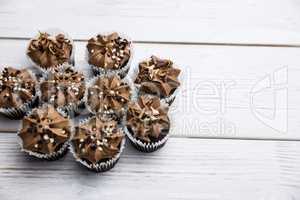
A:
x: 17, y: 92
x: 50, y: 49
x: 147, y: 124
x: 98, y: 143
x: 109, y: 54
x: 64, y: 87
x: 108, y: 94
x: 45, y: 133
x: 158, y: 77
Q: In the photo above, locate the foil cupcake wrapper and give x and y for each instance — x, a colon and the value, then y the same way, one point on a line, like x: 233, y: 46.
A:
x: 118, y: 115
x: 53, y: 156
x: 122, y: 72
x: 50, y: 157
x: 145, y: 147
x: 52, y: 31
x: 19, y: 112
x: 168, y: 100
x: 73, y: 109
x: 101, y: 166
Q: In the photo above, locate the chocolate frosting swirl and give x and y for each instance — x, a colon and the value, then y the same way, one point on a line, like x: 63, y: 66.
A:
x: 63, y: 86
x: 97, y: 140
x: 108, y: 93
x: 109, y: 51
x: 147, y: 119
x: 44, y: 130
x: 16, y: 87
x: 158, y: 76
x: 50, y: 51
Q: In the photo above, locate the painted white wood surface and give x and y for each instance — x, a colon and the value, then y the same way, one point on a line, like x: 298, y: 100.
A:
x: 197, y: 169
x: 218, y: 82
x: 212, y: 21
x: 215, y: 100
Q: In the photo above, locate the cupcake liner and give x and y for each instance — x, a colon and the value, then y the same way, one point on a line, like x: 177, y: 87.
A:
x: 112, y: 113
x: 102, y: 166
x: 120, y: 72
x: 145, y: 147
x: 168, y: 100
x: 52, y: 32
x: 53, y: 156
x: 73, y: 109
x: 20, y: 112
x: 140, y: 145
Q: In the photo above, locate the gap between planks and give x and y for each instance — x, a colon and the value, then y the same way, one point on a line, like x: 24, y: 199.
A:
x: 186, y: 43
x: 206, y: 137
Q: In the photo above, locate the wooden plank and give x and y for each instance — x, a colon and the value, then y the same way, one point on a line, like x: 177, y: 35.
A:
x: 230, y: 21
x: 227, y: 92
x: 183, y: 169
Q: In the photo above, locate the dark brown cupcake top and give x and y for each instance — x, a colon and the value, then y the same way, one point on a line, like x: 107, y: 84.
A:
x: 158, y: 76
x: 50, y: 51
x: 147, y: 119
x: 108, y: 93
x: 97, y: 140
x: 44, y: 130
x: 16, y: 87
x: 109, y: 51
x: 63, y: 86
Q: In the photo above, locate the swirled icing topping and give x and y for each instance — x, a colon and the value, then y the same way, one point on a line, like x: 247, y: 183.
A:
x: 63, y: 86
x: 16, y: 87
x: 50, y: 51
x: 158, y: 76
x: 108, y: 93
x: 97, y: 140
x: 44, y: 130
x: 109, y: 51
x: 147, y: 119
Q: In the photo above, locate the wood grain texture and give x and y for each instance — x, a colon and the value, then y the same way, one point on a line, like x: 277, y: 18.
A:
x: 210, y: 21
x: 184, y: 169
x: 227, y: 92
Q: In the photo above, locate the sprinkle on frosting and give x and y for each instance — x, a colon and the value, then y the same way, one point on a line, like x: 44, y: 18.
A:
x: 97, y: 140
x: 50, y: 51
x: 44, y: 130
x: 147, y: 119
x: 158, y: 76
x: 108, y: 93
x: 16, y: 87
x: 63, y: 86
x: 109, y: 51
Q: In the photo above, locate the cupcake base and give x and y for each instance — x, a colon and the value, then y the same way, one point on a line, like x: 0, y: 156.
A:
x: 101, y: 166
x: 145, y: 147
x: 50, y: 157
x: 97, y: 71
x: 20, y: 112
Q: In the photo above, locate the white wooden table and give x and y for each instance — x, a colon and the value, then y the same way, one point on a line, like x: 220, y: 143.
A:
x: 236, y: 121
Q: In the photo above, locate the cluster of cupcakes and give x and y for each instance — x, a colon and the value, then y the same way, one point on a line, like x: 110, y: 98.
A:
x: 119, y: 103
